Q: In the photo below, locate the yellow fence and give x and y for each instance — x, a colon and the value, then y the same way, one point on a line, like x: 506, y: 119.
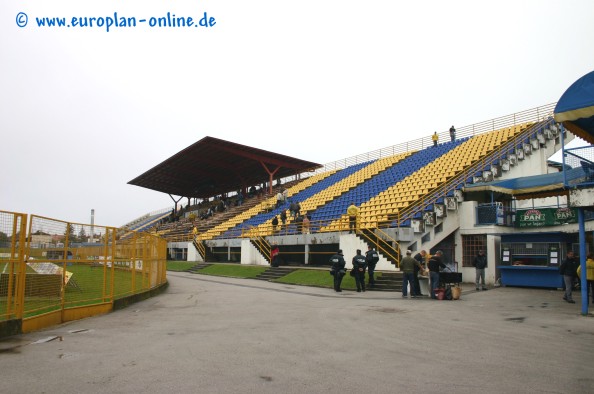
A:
x: 54, y: 271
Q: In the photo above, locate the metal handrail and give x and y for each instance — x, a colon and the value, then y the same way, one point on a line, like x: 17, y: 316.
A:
x: 531, y: 115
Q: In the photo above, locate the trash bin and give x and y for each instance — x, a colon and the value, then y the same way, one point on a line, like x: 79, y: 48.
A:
x: 456, y: 292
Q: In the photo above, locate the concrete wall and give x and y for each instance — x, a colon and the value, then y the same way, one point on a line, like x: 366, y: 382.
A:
x: 251, y: 255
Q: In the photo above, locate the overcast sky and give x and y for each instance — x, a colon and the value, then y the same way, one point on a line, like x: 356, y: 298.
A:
x: 83, y: 111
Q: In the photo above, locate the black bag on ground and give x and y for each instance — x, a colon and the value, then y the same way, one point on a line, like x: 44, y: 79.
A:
x: 448, y: 293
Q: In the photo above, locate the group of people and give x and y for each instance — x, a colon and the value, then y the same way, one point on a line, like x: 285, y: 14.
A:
x: 411, y: 268
x: 360, y: 265
x: 435, y: 137
x: 301, y: 221
x: 281, y: 197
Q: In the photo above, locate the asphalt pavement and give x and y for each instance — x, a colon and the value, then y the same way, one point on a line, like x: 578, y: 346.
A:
x: 210, y: 334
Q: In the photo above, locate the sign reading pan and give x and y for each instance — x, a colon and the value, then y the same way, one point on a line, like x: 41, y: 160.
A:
x: 545, y: 217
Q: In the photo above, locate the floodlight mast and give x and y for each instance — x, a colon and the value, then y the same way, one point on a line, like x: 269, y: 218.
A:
x: 92, y: 225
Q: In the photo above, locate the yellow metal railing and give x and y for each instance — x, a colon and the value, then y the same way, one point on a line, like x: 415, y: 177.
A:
x: 54, y: 271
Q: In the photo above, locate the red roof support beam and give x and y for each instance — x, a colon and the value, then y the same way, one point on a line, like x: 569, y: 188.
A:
x: 271, y: 174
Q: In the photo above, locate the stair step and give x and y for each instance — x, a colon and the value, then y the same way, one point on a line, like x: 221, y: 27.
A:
x: 274, y: 273
x: 198, y: 267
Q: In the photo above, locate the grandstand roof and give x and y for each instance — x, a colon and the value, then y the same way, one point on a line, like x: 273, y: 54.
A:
x: 576, y: 108
x: 212, y: 166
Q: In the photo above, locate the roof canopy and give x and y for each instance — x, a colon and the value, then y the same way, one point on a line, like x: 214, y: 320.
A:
x: 213, y: 166
x: 575, y: 108
x: 531, y: 186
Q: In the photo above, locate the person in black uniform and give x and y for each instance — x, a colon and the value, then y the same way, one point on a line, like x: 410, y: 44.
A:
x: 359, y: 265
x: 338, y: 270
x: 372, y: 257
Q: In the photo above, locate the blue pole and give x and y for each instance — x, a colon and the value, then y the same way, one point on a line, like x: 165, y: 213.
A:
x: 583, y: 282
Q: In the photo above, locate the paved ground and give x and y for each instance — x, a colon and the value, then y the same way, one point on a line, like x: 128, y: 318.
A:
x: 221, y: 335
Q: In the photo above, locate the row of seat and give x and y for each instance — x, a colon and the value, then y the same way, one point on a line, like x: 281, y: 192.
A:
x: 380, y: 188
x: 295, y: 195
x: 418, y: 184
x: 355, y: 178
x: 254, y: 211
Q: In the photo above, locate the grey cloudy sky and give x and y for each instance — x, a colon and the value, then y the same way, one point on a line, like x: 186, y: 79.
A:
x: 83, y: 111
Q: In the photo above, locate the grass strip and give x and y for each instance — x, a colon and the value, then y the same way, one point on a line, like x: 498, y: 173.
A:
x: 236, y: 271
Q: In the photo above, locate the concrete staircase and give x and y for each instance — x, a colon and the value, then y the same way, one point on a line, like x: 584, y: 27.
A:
x: 194, y: 269
x: 275, y: 273
x: 388, y: 281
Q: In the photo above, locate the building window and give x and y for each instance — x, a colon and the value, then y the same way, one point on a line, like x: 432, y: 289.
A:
x: 471, y: 244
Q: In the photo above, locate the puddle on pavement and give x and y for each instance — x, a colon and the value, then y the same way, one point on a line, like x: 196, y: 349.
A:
x: 12, y: 345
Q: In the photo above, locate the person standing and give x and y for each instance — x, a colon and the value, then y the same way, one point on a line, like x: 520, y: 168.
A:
x: 285, y: 196
x: 279, y: 199
x: 275, y: 256
x: 274, y: 223
x: 359, y: 265
x: 283, y: 218
x: 299, y: 224
x: 589, y: 275
x: 371, y: 257
x: 407, y: 266
x: 352, y: 212
x: 421, y: 258
x: 452, y: 133
x: 480, y: 263
x: 195, y: 231
x: 434, y: 264
x: 568, y: 269
x: 435, y: 139
x: 305, y: 224
x: 337, y: 262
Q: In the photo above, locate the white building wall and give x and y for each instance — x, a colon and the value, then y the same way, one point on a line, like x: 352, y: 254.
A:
x: 251, y: 255
x: 193, y: 254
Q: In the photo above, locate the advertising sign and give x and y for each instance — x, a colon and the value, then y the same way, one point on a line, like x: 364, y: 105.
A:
x: 545, y: 217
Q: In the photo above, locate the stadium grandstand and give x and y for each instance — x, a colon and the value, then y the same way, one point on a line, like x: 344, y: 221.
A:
x: 463, y: 195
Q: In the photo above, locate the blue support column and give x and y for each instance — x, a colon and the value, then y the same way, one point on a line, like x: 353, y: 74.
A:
x: 582, y: 238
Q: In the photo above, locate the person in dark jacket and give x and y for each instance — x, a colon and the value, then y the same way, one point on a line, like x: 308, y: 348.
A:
x: 434, y: 264
x: 274, y: 224
x: 283, y: 218
x: 337, y: 270
x: 568, y: 269
x: 359, y: 266
x: 407, y: 266
x: 452, y: 133
x: 299, y: 224
x: 371, y: 257
x: 480, y: 263
x: 421, y: 257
